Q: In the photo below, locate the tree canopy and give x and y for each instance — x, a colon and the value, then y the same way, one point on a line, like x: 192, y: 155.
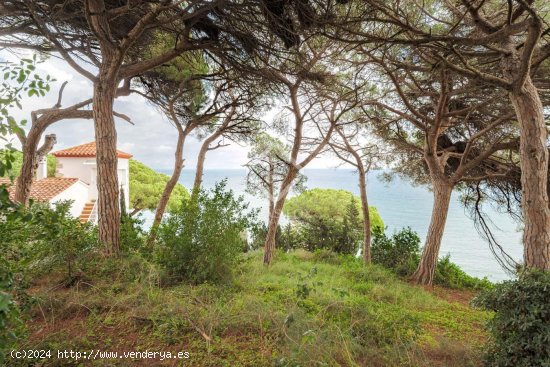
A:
x: 327, y: 204
x: 146, y: 186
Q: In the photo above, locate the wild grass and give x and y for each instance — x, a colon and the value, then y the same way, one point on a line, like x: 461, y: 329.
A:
x: 301, y: 311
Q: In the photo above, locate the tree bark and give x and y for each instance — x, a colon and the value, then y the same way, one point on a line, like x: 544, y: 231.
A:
x: 197, y: 183
x: 366, y: 215
x: 31, y: 157
x: 107, y: 163
x: 269, y: 245
x: 426, y: 268
x: 270, y: 189
x: 178, y: 166
x: 534, y: 172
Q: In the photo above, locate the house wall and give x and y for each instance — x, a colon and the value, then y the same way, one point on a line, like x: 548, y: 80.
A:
x: 124, y: 179
x: 76, y: 167
x: 78, y: 193
x: 85, y: 169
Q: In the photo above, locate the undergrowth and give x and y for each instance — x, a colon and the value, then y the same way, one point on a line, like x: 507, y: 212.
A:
x: 304, y: 310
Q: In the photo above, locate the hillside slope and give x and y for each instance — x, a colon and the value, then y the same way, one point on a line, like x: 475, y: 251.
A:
x: 302, y: 311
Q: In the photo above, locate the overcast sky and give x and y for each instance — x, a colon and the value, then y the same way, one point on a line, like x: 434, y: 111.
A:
x: 151, y: 140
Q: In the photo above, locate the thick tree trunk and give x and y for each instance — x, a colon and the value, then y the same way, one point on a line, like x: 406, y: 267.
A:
x: 31, y: 157
x: 107, y: 163
x: 178, y: 166
x: 534, y: 171
x: 366, y: 216
x: 426, y: 268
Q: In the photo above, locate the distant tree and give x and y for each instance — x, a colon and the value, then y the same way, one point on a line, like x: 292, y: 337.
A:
x: 267, y: 168
x: 177, y: 91
x: 147, y: 187
x: 329, y: 218
x: 329, y: 204
x: 349, y: 147
x: 311, y: 91
x: 209, y: 104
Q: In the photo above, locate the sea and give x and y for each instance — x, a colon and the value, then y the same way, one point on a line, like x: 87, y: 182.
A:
x: 400, y: 204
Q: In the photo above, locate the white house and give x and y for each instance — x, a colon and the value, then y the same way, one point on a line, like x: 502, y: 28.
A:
x: 76, y: 180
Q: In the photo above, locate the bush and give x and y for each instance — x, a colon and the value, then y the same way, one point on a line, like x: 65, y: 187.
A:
x: 400, y: 252
x: 201, y: 241
x: 35, y: 240
x: 132, y: 236
x: 59, y: 240
x: 11, y: 324
x: 47, y: 239
x: 520, y: 329
x: 450, y: 275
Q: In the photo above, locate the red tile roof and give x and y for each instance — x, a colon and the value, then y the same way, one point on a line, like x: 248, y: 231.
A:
x: 44, y: 189
x: 85, y: 150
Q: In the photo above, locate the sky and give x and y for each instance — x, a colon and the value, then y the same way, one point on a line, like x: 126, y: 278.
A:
x: 151, y: 139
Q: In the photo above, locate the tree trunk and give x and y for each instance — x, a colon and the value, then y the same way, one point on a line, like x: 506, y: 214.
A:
x: 269, y: 245
x: 107, y: 163
x: 271, y: 188
x: 534, y: 171
x: 178, y: 166
x: 366, y: 216
x: 426, y: 268
x: 28, y: 167
x: 197, y: 183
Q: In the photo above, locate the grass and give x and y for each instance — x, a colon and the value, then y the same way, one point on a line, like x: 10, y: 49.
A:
x: 301, y: 311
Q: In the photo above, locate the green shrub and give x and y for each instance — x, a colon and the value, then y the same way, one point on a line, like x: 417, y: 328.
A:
x: 132, y: 236
x: 11, y: 323
x: 450, y: 275
x: 520, y: 329
x: 201, y: 241
x: 59, y: 240
x: 400, y: 252
x: 47, y: 239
